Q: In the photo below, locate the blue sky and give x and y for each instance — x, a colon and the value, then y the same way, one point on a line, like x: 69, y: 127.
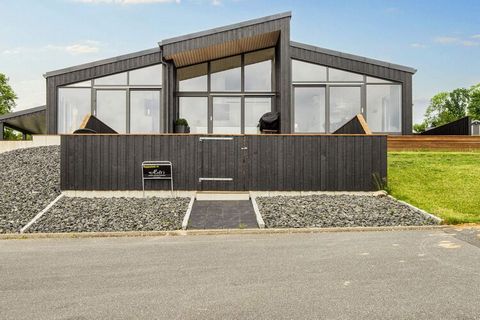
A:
x: 439, y: 38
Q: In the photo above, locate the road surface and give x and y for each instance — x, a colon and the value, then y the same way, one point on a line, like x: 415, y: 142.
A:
x: 356, y: 275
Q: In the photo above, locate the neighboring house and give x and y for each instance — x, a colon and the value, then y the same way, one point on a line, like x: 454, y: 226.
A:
x: 223, y: 80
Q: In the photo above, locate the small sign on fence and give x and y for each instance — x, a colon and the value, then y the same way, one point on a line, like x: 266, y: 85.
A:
x: 157, y: 170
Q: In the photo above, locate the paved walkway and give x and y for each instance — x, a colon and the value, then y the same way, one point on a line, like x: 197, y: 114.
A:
x: 222, y: 215
x: 353, y: 275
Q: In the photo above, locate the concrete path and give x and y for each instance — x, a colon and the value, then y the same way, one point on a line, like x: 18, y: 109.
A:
x: 222, y: 215
x: 355, y: 275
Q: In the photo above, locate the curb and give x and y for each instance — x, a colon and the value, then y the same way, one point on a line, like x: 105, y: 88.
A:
x: 41, y: 213
x: 258, y: 215
x: 423, y: 212
x: 187, y: 214
x: 126, y: 234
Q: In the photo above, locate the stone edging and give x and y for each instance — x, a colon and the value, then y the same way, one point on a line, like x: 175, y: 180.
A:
x: 258, y: 215
x: 10, y: 236
x: 187, y: 214
x: 423, y: 212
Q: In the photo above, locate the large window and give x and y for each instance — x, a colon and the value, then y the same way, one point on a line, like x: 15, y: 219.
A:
x: 112, y: 109
x: 384, y: 108
x: 135, y: 93
x: 227, y: 95
x: 73, y: 105
x: 346, y: 94
x: 144, y: 111
x: 195, y: 111
x: 309, y: 104
x: 255, y: 108
x: 345, y: 103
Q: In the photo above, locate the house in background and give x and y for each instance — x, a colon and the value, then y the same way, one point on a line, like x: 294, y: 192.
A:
x: 223, y: 80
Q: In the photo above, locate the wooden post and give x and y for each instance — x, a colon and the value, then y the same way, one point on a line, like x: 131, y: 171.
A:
x: 1, y: 130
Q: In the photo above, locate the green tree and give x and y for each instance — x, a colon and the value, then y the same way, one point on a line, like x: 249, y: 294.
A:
x: 446, y: 107
x: 474, y: 106
x: 7, y: 103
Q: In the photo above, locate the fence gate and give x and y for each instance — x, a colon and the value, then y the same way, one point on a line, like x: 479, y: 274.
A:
x: 223, y: 163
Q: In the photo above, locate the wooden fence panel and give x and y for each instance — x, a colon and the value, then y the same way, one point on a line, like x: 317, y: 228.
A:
x: 255, y: 162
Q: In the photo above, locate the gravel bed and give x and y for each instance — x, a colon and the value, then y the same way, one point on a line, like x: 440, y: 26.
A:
x: 113, y: 214
x: 337, y: 211
x: 29, y: 181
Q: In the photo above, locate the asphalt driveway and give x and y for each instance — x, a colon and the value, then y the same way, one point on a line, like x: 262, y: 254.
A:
x: 354, y: 275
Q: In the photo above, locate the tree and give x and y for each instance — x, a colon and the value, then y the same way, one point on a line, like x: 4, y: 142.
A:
x: 446, y: 107
x: 7, y: 103
x: 474, y: 106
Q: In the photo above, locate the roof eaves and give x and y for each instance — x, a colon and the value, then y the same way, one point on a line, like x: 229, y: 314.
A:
x: 190, y: 36
x: 101, y: 62
x: 353, y: 57
x: 22, y: 113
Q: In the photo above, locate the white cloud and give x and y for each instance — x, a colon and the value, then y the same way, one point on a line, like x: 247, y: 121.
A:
x: 456, y: 41
x: 446, y: 40
x: 476, y: 36
x: 418, y: 45
x: 125, y: 2
x: 216, y: 2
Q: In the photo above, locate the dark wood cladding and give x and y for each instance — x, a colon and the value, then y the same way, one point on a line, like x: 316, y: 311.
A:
x: 55, y: 81
x: 369, y: 69
x: 255, y: 162
x: 460, y: 127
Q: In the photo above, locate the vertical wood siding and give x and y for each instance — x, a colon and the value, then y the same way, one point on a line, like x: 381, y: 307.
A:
x: 255, y: 162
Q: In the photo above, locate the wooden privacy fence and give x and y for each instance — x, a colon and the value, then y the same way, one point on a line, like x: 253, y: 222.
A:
x: 440, y: 143
x: 229, y: 163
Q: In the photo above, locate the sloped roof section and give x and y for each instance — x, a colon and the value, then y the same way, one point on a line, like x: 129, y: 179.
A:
x: 31, y: 120
x: 226, y: 41
x: 353, y: 57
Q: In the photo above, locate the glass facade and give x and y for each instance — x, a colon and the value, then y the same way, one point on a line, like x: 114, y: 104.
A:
x: 227, y: 95
x: 111, y: 99
x: 144, y: 111
x: 73, y: 105
x: 345, y: 94
x: 309, y: 115
x: 255, y: 108
x: 195, y: 111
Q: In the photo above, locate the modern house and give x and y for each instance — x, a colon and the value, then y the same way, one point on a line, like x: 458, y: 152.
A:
x: 223, y: 80
x: 336, y: 110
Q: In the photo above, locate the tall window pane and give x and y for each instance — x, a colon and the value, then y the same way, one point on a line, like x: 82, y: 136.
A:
x: 377, y: 80
x: 193, y: 78
x: 255, y: 108
x: 112, y: 109
x: 149, y: 76
x: 309, y: 109
x: 195, y: 111
x: 119, y: 79
x: 384, y: 106
x: 258, y: 70
x: 303, y: 71
x: 345, y: 103
x: 227, y: 115
x: 144, y: 111
x: 340, y: 75
x: 226, y: 74
x: 73, y: 105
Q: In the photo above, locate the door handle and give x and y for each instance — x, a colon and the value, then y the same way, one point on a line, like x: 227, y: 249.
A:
x: 244, y: 148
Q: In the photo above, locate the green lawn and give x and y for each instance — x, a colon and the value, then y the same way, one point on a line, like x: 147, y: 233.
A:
x: 446, y: 184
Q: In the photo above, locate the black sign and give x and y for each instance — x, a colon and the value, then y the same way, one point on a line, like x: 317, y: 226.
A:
x: 157, y: 171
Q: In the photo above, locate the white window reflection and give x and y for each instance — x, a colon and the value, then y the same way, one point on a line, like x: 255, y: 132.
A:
x: 345, y: 103
x: 195, y: 111
x: 227, y: 115
x: 112, y: 109
x: 309, y: 109
x: 255, y: 108
x: 384, y: 106
x: 144, y: 111
x: 73, y: 105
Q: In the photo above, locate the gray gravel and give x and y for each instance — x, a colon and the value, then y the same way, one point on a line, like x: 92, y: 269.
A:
x: 337, y: 211
x: 113, y: 214
x: 29, y: 181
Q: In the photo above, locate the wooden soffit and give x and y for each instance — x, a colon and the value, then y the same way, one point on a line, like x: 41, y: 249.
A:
x: 225, y: 49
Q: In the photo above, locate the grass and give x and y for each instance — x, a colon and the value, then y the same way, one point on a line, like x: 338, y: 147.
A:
x: 446, y: 184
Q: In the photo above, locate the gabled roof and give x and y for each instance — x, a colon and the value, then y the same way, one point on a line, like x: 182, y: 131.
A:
x: 353, y: 57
